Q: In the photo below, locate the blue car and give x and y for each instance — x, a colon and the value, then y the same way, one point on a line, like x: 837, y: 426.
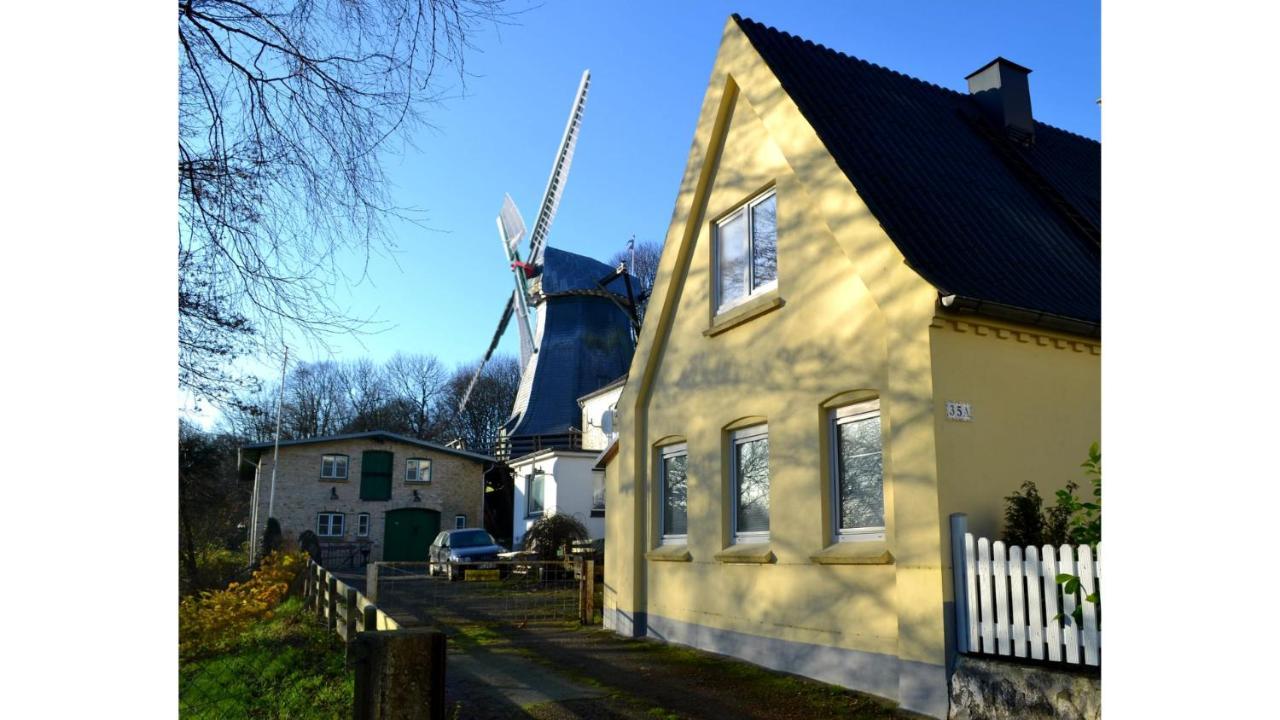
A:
x: 455, y: 550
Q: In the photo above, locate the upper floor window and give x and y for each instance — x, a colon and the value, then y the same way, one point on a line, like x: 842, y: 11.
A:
x: 746, y: 252
x: 417, y: 470
x: 675, y: 492
x: 329, y: 524
x: 858, y: 471
x: 750, y: 471
x: 537, y: 486
x: 333, y: 467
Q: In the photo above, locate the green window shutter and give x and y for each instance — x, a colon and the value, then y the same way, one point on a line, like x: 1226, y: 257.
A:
x: 375, y: 475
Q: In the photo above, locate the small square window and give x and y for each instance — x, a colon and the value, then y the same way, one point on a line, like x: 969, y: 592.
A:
x: 417, y: 470
x: 459, y: 522
x: 333, y: 467
x: 362, y: 525
x: 746, y: 254
x: 330, y: 524
x: 675, y: 493
x: 857, y: 472
x: 750, y: 476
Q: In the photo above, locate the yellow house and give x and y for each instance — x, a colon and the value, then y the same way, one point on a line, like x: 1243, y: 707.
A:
x: 878, y: 304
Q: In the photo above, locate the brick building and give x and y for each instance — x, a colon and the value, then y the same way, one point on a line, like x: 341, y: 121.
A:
x: 378, y: 492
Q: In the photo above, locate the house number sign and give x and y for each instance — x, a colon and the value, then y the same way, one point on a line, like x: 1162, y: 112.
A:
x: 959, y: 411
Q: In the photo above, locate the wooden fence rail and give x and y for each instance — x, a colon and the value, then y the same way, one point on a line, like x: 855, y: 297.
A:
x: 341, y: 607
x: 1008, y: 601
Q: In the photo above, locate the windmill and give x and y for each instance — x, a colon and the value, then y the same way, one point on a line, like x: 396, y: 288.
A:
x: 571, y: 324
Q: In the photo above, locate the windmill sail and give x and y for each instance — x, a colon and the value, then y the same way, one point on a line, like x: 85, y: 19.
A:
x: 493, y: 345
x: 511, y: 224
x: 559, y: 173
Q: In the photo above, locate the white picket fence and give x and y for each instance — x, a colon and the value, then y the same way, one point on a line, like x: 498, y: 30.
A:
x: 1008, y: 600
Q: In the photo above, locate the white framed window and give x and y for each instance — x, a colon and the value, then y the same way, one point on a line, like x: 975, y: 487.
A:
x: 746, y: 251
x: 749, y: 472
x: 857, y: 472
x: 459, y: 522
x: 537, y: 484
x: 674, y: 493
x: 330, y: 524
x: 362, y: 525
x: 597, y: 493
x: 333, y: 467
x: 417, y: 470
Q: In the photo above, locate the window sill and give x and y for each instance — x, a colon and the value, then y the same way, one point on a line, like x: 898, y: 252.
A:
x: 669, y: 553
x: 333, y: 480
x: 872, y: 552
x: 749, y: 310
x: 760, y: 553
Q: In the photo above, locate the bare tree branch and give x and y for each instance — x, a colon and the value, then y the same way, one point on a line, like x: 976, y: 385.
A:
x: 284, y: 108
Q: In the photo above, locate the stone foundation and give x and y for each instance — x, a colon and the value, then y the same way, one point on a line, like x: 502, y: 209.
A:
x: 983, y: 689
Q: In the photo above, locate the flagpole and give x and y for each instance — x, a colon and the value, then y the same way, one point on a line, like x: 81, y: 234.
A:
x: 275, y: 461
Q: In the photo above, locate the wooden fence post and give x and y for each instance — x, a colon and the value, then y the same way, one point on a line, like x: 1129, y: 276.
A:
x: 322, y: 577
x: 333, y: 603
x: 370, y: 620
x: 589, y: 577
x: 352, y: 611
x: 959, y: 580
x: 371, y: 581
x: 399, y: 675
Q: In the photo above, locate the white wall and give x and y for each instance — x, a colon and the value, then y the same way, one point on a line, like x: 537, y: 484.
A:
x: 567, y: 490
x: 593, y: 435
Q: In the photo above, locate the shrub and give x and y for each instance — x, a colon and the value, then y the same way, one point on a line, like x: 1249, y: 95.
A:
x: 272, y: 537
x: 309, y: 543
x: 1023, y: 518
x: 216, y: 567
x: 551, y: 533
x: 208, y: 622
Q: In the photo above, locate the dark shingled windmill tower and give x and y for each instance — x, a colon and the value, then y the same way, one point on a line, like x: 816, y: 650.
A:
x: 584, y: 333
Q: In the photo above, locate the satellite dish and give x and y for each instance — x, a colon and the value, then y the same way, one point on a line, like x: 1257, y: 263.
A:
x: 606, y: 421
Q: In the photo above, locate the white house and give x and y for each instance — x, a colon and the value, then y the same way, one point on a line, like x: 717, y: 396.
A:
x: 565, y: 480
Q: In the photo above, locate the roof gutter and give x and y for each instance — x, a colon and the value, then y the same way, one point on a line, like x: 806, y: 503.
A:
x: 1012, y: 313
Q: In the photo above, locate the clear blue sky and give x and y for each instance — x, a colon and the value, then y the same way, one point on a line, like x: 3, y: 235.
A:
x: 650, y: 63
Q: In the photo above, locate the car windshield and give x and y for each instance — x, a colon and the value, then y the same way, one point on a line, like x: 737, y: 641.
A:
x: 470, y: 538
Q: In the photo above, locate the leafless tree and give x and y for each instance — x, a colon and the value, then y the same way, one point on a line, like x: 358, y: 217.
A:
x: 647, y: 256
x: 488, y: 408
x: 365, y: 385
x: 284, y: 109
x: 420, y: 381
x: 315, y: 400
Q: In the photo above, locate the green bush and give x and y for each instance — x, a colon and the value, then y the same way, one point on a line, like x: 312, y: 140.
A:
x: 548, y: 536
x: 1069, y: 520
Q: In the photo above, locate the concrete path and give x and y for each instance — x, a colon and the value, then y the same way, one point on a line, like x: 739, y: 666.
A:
x: 517, y: 680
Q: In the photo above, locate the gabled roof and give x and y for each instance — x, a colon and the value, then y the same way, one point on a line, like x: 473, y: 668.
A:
x: 374, y: 435
x: 976, y: 215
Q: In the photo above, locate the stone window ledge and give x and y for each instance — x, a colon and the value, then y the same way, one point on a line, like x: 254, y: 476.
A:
x: 670, y: 553
x: 854, y: 553
x: 757, y: 553
x: 749, y: 310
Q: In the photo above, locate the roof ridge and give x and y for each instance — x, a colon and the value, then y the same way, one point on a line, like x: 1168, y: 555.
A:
x: 1064, y: 131
x: 950, y: 91
x: 806, y: 41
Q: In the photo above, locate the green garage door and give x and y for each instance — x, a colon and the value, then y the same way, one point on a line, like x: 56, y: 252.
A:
x: 409, y: 534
